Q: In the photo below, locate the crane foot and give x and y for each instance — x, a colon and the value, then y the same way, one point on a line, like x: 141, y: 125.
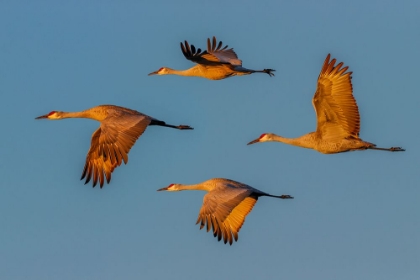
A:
x: 269, y: 72
x: 184, y: 127
x: 396, y: 149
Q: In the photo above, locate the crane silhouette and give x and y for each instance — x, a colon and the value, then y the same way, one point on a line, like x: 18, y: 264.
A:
x: 338, y: 120
x: 225, y: 206
x: 215, y: 63
x: 111, y: 142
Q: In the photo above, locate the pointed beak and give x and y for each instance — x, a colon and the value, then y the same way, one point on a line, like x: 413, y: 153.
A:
x: 254, y: 141
x: 162, y: 189
x: 42, y: 117
x: 153, y: 73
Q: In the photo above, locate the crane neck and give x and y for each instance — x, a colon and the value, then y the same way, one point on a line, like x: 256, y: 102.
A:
x: 196, y: 187
x: 66, y: 115
x: 305, y: 141
x: 94, y: 113
x: 193, y: 71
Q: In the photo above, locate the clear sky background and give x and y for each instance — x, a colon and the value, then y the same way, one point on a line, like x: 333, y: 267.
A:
x: 355, y: 215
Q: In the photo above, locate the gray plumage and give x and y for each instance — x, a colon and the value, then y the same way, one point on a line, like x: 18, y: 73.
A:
x: 111, y: 142
x: 338, y: 119
x: 215, y: 63
x: 225, y: 206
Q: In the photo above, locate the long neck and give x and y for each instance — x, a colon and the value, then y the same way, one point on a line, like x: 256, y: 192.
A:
x: 198, y: 187
x: 193, y: 71
x: 306, y: 141
x: 98, y: 113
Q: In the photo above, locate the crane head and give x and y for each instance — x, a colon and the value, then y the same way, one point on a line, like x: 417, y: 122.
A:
x: 263, y: 137
x: 53, y: 115
x: 170, y: 188
x: 161, y: 71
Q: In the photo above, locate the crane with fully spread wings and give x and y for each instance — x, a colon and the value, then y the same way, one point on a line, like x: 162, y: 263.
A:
x: 338, y: 119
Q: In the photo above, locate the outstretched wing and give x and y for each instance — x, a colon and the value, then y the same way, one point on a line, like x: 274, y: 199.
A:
x: 215, y: 53
x: 336, y: 109
x: 110, y: 146
x: 191, y: 53
x: 225, y: 212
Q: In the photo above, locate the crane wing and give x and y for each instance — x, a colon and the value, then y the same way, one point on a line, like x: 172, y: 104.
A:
x: 225, y: 211
x: 110, y: 145
x: 215, y: 54
x: 336, y: 109
x: 191, y: 53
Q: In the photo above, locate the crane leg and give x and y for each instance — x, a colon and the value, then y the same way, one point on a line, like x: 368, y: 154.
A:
x: 162, y: 123
x: 392, y: 149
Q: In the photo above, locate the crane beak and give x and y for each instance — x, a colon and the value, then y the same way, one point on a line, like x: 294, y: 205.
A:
x: 153, y: 73
x: 254, y: 141
x: 168, y: 188
x: 42, y: 117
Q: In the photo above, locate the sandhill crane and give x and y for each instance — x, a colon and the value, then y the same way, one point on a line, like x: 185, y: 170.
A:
x: 215, y: 64
x: 225, y: 206
x: 338, y: 120
x: 111, y: 142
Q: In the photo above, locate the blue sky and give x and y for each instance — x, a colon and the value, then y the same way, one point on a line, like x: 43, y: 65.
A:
x: 354, y: 216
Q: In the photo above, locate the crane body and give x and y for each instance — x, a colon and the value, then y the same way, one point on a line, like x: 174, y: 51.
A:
x: 215, y: 63
x: 111, y: 142
x: 225, y: 206
x: 338, y: 119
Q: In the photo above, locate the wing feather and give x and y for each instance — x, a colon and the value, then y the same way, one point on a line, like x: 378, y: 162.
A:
x: 214, y: 54
x: 334, y: 104
x: 190, y: 53
x: 225, y: 212
x: 110, y: 146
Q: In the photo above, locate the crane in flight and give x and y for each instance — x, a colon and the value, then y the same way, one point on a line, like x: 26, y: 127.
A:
x: 111, y: 142
x: 225, y: 206
x: 338, y: 119
x: 215, y: 63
